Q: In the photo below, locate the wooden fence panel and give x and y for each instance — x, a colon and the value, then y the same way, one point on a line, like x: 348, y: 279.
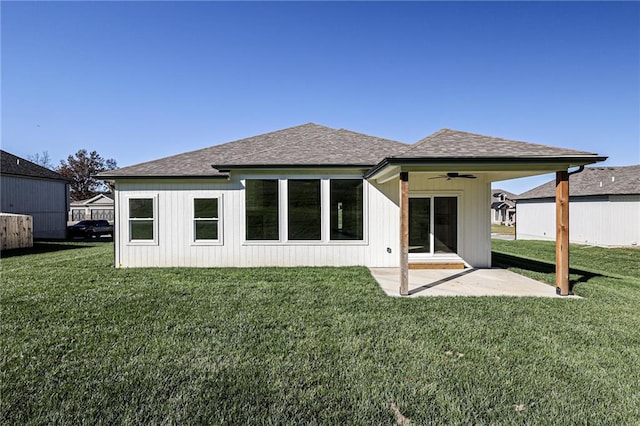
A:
x: 16, y: 231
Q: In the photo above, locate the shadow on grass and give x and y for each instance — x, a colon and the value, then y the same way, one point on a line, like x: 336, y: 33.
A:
x: 502, y: 260
x: 40, y: 247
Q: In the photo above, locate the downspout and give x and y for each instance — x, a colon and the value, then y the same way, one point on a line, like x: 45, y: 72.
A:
x: 580, y: 170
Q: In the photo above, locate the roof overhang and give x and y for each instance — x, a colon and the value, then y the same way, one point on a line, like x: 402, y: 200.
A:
x: 161, y: 177
x: 226, y: 168
x: 507, y: 166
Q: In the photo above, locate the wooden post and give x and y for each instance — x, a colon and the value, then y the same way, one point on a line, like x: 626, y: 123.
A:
x: 404, y: 233
x: 562, y: 233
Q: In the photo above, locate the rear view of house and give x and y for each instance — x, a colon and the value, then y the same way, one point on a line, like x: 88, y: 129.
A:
x: 313, y: 195
x: 604, y: 208
x: 33, y: 190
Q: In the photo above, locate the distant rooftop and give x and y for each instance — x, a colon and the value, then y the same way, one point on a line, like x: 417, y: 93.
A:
x: 593, y: 181
x: 13, y: 165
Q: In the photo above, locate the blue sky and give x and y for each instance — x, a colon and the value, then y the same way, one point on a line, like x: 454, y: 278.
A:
x: 137, y: 81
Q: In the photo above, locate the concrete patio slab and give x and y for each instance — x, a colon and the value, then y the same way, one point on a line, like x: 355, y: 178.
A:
x: 468, y: 282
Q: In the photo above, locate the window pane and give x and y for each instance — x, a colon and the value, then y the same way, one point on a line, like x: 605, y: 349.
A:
x: 262, y: 209
x: 304, y: 211
x: 206, y: 229
x: 141, y: 208
x: 346, y: 209
x: 205, y: 207
x: 141, y: 229
x: 419, y: 225
x: 445, y: 223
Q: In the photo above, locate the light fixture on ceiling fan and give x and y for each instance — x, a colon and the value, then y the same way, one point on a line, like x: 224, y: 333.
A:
x: 454, y: 175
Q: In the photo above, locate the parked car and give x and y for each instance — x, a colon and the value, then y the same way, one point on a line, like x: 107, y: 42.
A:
x: 89, y: 229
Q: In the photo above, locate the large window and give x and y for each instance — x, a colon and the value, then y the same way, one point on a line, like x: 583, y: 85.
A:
x: 262, y: 209
x: 346, y: 209
x: 141, y: 219
x: 304, y: 209
x: 205, y: 219
x: 328, y: 210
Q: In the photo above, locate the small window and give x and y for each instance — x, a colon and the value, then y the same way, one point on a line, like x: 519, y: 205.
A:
x: 261, y: 198
x: 141, y: 219
x: 347, y: 211
x: 304, y: 209
x: 205, y: 219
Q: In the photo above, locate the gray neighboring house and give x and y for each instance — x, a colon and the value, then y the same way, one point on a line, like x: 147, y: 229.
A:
x: 503, y: 207
x: 30, y: 189
x: 604, y: 208
x: 99, y: 207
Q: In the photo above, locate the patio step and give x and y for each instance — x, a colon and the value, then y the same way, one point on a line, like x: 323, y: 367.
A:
x: 438, y: 265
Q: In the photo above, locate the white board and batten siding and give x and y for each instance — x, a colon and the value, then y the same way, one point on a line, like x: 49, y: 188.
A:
x: 612, y: 220
x: 474, y: 214
x: 380, y: 247
x: 46, y: 201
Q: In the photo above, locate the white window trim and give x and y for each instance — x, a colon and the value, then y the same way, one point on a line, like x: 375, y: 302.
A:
x: 217, y: 242
x: 432, y: 195
x: 155, y: 241
x: 325, y: 199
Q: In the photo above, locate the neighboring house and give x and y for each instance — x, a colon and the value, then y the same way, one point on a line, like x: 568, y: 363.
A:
x: 33, y: 190
x: 313, y: 195
x: 99, y: 207
x: 604, y: 208
x: 503, y: 208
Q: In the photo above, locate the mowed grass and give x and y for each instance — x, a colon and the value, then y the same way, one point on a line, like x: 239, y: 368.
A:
x: 83, y: 342
x: 503, y: 229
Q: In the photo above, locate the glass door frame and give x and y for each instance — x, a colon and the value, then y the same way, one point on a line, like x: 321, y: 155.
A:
x: 432, y: 196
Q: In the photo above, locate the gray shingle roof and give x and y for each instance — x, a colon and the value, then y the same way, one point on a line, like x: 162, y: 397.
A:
x: 312, y: 145
x: 306, y: 145
x: 456, y: 144
x: 13, y: 165
x: 509, y: 197
x: 593, y: 181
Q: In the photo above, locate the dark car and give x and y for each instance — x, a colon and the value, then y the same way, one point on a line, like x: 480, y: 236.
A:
x: 89, y: 229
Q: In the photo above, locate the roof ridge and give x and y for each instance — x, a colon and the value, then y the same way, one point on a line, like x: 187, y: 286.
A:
x: 213, y: 146
x: 275, y: 146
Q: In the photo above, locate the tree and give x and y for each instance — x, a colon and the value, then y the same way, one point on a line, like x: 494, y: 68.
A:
x: 43, y: 160
x: 80, y: 169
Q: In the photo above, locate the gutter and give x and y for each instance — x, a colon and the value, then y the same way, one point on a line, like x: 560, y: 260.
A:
x: 582, y: 160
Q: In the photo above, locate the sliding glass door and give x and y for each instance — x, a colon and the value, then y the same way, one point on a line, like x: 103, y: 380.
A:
x: 433, y: 225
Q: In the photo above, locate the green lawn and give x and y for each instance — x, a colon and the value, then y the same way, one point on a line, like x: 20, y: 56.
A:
x: 85, y: 343
x: 503, y: 229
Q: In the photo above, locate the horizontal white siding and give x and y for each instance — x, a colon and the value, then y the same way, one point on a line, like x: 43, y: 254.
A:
x: 380, y: 248
x: 44, y: 200
x: 606, y: 221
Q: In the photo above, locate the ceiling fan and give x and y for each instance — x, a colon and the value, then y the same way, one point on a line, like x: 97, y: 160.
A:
x: 454, y: 175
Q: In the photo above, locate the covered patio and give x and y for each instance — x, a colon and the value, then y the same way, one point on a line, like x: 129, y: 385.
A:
x: 464, y: 227
x: 465, y: 282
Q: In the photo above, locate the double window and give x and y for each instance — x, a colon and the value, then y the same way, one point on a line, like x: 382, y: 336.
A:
x: 315, y: 210
x: 142, y: 219
x: 206, y: 219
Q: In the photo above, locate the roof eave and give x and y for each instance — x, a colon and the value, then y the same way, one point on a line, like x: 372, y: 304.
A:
x: 229, y: 167
x: 569, y: 161
x: 59, y: 179
x: 162, y: 177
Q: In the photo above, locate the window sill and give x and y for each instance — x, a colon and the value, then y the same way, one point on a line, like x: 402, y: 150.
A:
x: 207, y: 243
